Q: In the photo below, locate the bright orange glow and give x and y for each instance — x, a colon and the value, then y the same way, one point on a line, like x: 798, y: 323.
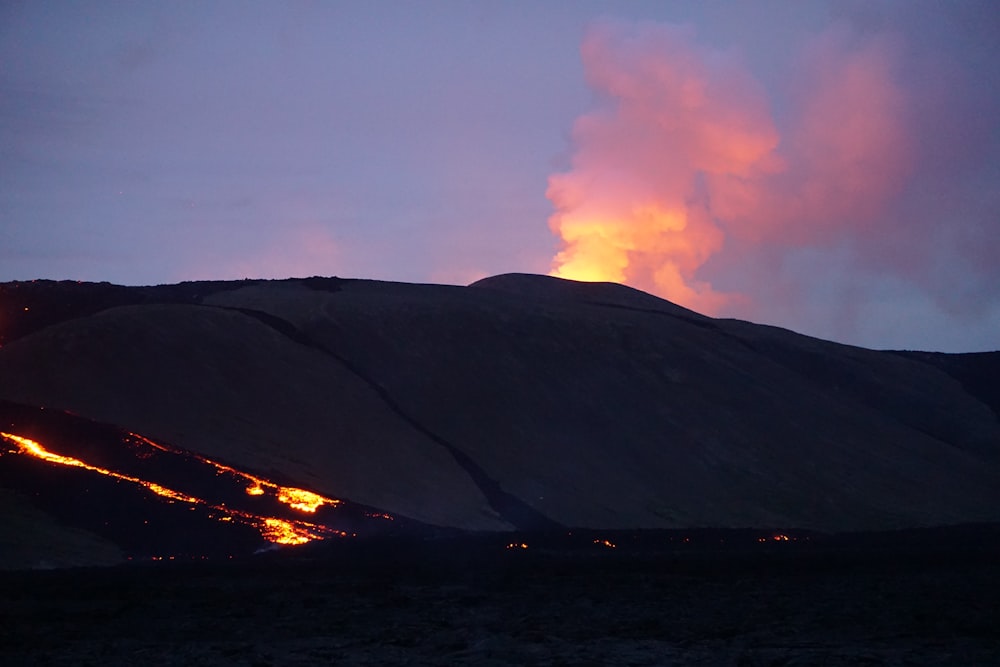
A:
x: 299, y: 499
x: 272, y: 529
x: 34, y: 449
x: 682, y: 162
x: 606, y: 543
x: 282, y: 532
x: 169, y: 493
x: 517, y: 545
x: 632, y: 207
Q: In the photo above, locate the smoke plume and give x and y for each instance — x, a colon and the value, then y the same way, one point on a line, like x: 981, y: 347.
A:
x: 683, y: 161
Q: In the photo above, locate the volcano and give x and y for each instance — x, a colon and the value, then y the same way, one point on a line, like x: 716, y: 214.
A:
x: 517, y: 403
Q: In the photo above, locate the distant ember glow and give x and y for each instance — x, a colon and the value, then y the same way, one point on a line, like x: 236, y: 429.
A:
x: 273, y: 529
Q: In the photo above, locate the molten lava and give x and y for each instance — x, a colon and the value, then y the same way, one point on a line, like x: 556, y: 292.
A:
x: 299, y: 499
x: 273, y: 529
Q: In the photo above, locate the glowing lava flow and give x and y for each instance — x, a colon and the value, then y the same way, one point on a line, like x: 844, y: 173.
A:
x: 272, y: 529
x: 300, y: 499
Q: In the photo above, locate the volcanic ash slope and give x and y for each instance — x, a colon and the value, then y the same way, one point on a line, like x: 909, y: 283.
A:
x: 530, y: 401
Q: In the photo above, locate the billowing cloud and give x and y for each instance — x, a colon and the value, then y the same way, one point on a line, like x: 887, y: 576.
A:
x: 844, y: 155
x: 685, y: 173
x: 634, y: 208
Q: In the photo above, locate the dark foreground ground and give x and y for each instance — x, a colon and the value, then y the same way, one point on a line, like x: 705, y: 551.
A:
x: 455, y: 601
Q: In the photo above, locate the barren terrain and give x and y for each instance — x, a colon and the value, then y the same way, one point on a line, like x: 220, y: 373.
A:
x: 474, y: 602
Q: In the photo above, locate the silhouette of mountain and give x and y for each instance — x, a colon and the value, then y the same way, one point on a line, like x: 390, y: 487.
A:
x: 518, y: 402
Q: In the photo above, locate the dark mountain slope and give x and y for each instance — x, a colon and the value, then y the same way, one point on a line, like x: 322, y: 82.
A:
x: 601, y: 412
x: 976, y: 371
x: 221, y: 383
x: 28, y: 306
x: 529, y: 401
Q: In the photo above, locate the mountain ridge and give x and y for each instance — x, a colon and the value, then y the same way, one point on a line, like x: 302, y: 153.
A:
x: 519, y: 401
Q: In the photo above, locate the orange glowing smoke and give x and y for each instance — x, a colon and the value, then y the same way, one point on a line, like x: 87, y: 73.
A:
x: 683, y: 155
x: 630, y: 209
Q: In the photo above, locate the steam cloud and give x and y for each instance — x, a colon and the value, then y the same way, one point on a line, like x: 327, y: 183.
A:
x: 690, y: 175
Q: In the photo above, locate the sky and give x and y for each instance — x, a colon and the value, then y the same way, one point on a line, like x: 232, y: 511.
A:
x: 828, y: 167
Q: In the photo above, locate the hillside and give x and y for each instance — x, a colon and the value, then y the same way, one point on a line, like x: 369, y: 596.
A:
x: 519, y: 401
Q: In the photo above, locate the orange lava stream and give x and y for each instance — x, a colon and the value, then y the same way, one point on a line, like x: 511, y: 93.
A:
x: 299, y: 499
x: 272, y: 529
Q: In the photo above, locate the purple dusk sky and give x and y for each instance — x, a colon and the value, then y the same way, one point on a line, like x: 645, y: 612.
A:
x: 830, y: 167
